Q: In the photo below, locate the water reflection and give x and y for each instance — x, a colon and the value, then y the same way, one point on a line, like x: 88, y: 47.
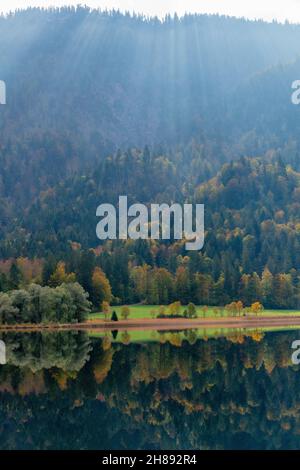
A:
x: 173, y: 390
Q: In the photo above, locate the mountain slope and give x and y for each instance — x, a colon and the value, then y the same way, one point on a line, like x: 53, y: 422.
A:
x: 82, y: 84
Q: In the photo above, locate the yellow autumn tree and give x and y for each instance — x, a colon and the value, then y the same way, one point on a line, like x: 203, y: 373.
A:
x: 60, y: 276
x: 125, y: 312
x: 239, y: 307
x: 174, y: 308
x: 105, y: 309
x: 256, y: 308
x: 103, y: 366
x: 153, y: 313
x: 101, y: 290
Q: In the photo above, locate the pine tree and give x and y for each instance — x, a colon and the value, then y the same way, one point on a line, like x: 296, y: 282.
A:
x: 114, y: 316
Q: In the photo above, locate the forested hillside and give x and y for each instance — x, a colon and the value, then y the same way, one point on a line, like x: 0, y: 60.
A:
x: 252, y: 228
x: 194, y: 109
x: 82, y: 84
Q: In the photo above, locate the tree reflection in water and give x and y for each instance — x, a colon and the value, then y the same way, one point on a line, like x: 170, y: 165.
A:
x: 65, y: 390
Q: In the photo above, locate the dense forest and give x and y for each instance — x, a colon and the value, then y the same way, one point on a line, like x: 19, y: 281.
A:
x: 251, y: 251
x: 194, y: 109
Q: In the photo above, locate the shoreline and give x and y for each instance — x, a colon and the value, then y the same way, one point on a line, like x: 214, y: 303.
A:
x: 162, y: 324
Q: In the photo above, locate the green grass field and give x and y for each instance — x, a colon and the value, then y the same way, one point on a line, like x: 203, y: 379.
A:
x: 143, y: 311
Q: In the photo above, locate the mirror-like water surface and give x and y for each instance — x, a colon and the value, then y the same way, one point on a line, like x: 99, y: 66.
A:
x: 69, y: 390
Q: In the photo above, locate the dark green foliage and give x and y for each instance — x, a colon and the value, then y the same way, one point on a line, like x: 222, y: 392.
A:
x: 15, y: 276
x: 65, y: 304
x: 114, y: 316
x: 191, y: 310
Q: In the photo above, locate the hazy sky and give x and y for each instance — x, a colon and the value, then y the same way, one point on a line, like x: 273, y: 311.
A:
x: 267, y: 9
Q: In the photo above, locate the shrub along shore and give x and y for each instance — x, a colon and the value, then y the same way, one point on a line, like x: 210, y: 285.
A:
x: 67, y: 303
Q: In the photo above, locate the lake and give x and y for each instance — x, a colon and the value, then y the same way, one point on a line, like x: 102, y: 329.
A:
x: 169, y: 390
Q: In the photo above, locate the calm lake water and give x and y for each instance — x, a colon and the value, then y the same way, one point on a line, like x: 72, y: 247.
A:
x: 192, y: 390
